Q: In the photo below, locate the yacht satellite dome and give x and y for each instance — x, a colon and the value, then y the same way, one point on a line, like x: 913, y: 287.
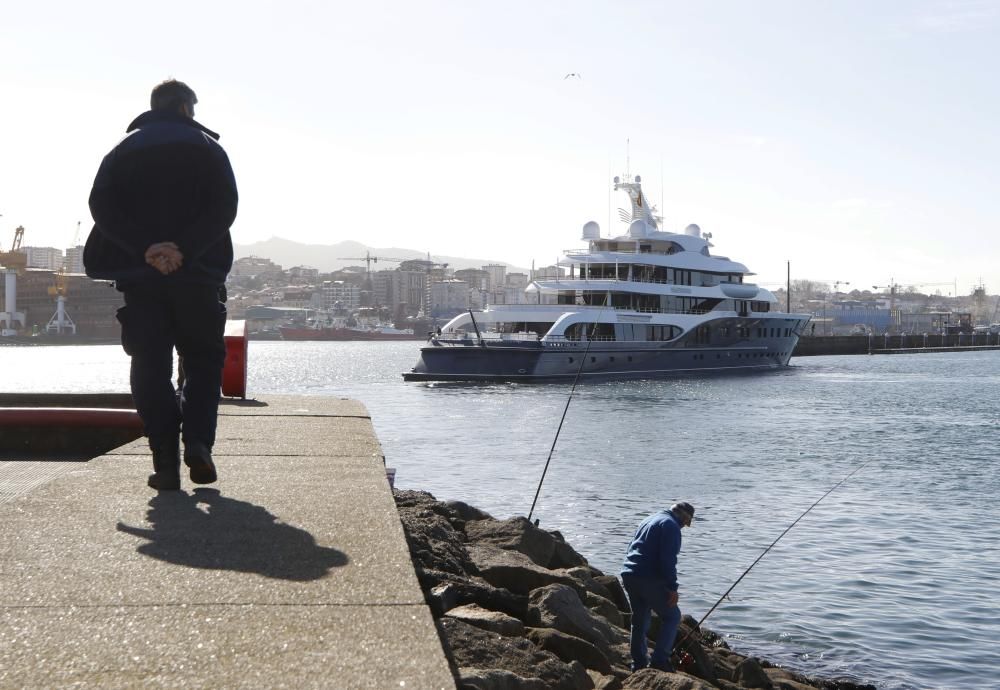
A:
x: 617, y: 179
x: 638, y: 228
x: 692, y: 230
x: 591, y: 231
x: 638, y: 178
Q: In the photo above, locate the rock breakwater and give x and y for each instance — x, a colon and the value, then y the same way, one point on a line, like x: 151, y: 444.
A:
x: 517, y: 608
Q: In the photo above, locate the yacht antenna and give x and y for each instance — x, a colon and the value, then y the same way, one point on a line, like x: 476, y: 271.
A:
x: 628, y: 160
x: 610, y: 189
x: 788, y: 288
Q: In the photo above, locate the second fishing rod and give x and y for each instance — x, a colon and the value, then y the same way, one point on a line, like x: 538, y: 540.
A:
x: 685, y: 641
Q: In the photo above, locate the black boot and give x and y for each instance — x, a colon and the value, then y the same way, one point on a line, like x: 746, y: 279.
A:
x: 198, y: 457
x: 166, y: 464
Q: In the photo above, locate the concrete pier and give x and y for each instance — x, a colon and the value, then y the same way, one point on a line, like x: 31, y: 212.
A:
x: 291, y: 571
x: 913, y: 343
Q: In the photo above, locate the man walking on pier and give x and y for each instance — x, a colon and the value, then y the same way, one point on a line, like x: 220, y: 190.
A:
x: 649, y: 576
x: 163, y: 201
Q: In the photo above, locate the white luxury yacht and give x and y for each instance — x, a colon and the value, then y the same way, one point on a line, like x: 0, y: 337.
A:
x: 645, y: 304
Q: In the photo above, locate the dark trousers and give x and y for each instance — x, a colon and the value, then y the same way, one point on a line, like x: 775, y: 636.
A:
x: 645, y: 595
x: 156, y: 319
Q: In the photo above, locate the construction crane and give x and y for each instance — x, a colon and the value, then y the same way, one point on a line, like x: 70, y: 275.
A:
x: 369, y: 260
x: 893, y: 288
x: 13, y: 263
x: 916, y: 285
x: 367, y: 289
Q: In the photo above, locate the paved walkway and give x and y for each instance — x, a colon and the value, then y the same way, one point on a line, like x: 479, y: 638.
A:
x: 291, y: 571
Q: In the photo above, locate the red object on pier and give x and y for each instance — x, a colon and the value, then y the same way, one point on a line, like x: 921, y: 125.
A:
x: 79, y: 433
x: 234, y: 372
x: 69, y: 417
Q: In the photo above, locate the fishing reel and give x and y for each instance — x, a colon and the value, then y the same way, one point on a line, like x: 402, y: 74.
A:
x: 683, y: 661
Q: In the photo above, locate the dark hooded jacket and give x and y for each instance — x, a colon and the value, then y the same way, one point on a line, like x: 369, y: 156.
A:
x: 168, y: 180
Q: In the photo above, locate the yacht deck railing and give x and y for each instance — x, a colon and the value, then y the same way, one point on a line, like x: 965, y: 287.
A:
x: 639, y: 279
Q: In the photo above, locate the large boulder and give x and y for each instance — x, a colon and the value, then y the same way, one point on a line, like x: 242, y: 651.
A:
x: 604, y: 608
x: 603, y: 682
x: 496, y: 679
x: 564, y: 555
x: 467, y: 513
x: 559, y: 606
x: 651, y: 679
x: 585, y: 577
x: 750, y: 674
x: 473, y: 648
x: 570, y: 648
x: 513, y: 570
x: 784, y: 680
x: 434, y: 542
x: 444, y: 591
x: 615, y: 589
x: 514, y: 534
x: 492, y: 621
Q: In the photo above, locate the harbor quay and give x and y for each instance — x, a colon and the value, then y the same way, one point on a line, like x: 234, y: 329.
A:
x: 911, y: 343
x: 291, y: 571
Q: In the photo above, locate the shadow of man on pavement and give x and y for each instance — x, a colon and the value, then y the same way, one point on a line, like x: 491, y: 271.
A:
x: 207, y: 530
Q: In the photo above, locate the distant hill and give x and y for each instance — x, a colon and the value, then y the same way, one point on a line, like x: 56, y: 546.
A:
x: 327, y: 257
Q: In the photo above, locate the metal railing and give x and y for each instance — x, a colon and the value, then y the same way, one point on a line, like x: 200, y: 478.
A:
x: 634, y: 279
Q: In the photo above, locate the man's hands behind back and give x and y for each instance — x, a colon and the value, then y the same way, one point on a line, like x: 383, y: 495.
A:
x: 165, y: 257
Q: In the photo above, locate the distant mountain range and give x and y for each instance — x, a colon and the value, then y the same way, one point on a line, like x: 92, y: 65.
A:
x: 330, y: 257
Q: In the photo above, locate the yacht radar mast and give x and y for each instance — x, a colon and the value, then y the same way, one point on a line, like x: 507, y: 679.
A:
x: 642, y: 209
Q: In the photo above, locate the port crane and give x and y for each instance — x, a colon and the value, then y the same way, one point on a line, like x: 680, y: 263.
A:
x: 12, y: 263
x: 61, y: 321
x: 14, y: 258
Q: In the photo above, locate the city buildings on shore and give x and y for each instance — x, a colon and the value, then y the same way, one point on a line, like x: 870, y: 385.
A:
x: 422, y: 293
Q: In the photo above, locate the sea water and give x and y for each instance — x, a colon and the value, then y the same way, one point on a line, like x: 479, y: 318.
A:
x: 890, y: 579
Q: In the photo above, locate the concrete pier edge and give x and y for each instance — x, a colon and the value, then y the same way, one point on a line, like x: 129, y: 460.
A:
x: 292, y: 570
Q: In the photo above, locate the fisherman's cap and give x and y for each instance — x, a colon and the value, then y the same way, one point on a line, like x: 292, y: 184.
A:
x: 683, y: 510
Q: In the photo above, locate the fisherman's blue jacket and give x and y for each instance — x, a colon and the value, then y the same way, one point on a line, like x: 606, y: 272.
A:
x: 168, y: 180
x: 654, y: 548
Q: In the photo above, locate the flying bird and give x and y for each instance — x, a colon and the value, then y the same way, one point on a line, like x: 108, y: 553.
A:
x: 572, y: 75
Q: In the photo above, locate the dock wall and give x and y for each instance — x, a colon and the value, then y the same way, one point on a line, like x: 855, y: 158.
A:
x: 890, y: 344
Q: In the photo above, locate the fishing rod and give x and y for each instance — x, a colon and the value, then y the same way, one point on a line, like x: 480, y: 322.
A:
x: 765, y: 551
x: 479, y: 336
x: 576, y: 378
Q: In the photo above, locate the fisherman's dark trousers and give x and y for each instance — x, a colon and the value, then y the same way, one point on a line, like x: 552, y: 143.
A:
x: 646, y: 595
x: 157, y: 318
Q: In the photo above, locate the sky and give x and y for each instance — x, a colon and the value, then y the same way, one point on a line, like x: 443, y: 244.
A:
x: 854, y: 141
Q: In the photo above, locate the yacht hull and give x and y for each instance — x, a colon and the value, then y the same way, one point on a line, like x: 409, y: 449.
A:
x: 541, y: 362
